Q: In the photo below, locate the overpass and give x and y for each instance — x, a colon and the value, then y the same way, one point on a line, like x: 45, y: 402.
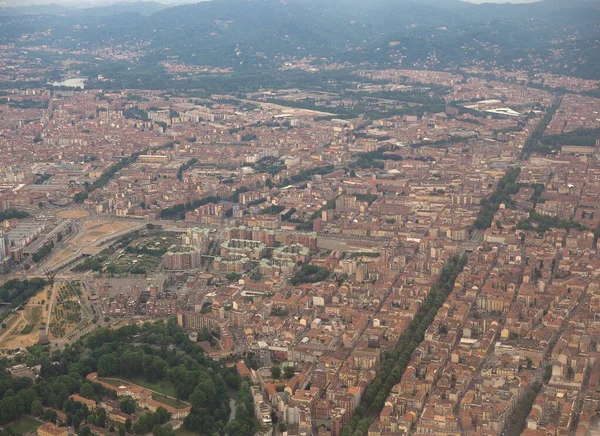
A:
x: 167, y: 225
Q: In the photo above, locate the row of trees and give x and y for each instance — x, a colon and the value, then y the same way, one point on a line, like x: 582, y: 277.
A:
x: 516, y: 423
x: 397, y: 360
x: 43, y: 252
x: 19, y: 291
x: 532, y: 144
x: 179, y: 209
x: 13, y: 213
x: 111, y: 171
x: 507, y: 186
x: 89, y: 264
x: 272, y: 210
x: 106, y: 176
x: 542, y: 223
x: 305, y: 175
x: 185, y: 167
x: 581, y: 137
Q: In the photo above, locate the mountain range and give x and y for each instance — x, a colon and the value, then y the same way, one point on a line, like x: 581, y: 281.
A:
x: 552, y: 35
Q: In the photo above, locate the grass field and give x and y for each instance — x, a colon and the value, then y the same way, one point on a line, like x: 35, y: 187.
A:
x: 181, y: 431
x: 163, y: 386
x: 23, y: 327
x: 169, y: 401
x: 36, y: 315
x: 110, y: 381
x: 24, y: 425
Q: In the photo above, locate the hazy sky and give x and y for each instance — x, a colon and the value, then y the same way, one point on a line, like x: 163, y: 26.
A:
x: 79, y: 3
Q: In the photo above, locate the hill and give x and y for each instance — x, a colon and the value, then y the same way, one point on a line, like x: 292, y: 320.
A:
x: 258, y: 34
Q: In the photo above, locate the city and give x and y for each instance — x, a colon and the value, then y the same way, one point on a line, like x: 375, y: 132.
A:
x: 402, y: 251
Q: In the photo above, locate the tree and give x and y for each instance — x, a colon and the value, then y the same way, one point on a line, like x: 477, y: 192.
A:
x: 275, y: 372
x: 163, y: 430
x: 162, y: 416
x: 107, y: 365
x: 49, y: 415
x: 547, y: 373
x: 111, y: 268
x: 86, y: 390
x: 232, y: 277
x: 121, y: 430
x: 238, y: 428
x: 127, y: 406
x: 36, y: 408
x: 570, y: 372
x: 288, y: 372
x: 101, y: 417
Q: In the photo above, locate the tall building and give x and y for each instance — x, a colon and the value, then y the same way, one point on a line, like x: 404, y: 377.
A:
x: 198, y: 238
x: 190, y: 258
x: 3, y: 251
x: 197, y: 321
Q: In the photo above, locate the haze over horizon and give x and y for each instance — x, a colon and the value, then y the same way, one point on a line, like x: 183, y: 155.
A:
x: 17, y: 3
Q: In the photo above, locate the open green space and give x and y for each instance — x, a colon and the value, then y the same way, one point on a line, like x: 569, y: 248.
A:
x: 32, y: 319
x: 137, y: 253
x: 24, y: 424
x: 17, y: 292
x: 164, y: 387
x: 309, y: 274
x: 173, y: 402
x: 111, y: 381
x: 182, y: 431
x: 67, y: 313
